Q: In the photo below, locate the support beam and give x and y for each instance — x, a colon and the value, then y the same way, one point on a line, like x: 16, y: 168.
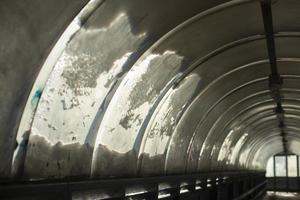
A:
x: 268, y: 25
x: 275, y: 80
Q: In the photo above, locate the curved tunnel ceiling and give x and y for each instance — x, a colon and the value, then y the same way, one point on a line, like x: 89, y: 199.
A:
x: 136, y: 88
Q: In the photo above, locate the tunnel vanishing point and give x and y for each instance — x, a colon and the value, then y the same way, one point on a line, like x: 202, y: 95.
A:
x: 146, y: 99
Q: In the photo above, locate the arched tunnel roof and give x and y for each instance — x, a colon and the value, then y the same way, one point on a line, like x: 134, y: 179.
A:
x: 137, y: 88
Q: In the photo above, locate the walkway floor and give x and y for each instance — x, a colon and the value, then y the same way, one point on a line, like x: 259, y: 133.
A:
x: 282, y: 196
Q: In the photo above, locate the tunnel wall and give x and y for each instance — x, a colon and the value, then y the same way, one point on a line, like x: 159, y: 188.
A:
x: 144, y: 88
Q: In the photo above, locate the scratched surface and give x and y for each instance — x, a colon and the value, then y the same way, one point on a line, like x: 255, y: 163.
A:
x: 172, y: 88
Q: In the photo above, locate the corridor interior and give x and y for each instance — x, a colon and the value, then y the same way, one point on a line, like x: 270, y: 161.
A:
x: 149, y: 99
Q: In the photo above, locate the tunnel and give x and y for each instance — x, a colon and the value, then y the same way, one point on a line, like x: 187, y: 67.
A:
x: 148, y: 99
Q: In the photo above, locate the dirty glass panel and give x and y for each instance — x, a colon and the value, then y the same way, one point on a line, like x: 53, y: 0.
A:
x: 280, y: 166
x: 292, y: 166
x: 270, y: 168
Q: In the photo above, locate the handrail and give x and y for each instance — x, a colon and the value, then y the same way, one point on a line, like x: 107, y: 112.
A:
x: 151, y: 186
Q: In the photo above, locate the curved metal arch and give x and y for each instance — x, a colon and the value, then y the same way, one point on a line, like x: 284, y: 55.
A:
x: 173, y: 82
x: 255, y: 141
x: 246, y: 110
x: 289, y: 59
x: 254, y: 105
x: 260, y: 144
x: 232, y: 45
x: 211, y: 55
x: 234, y: 140
x: 204, y: 158
x: 258, y: 133
x: 274, y: 146
x: 284, y: 90
x: 233, y: 143
x: 233, y: 92
x: 267, y: 111
x: 262, y: 131
x: 290, y: 121
x: 268, y: 122
x: 119, y: 88
x: 248, y: 98
x: 211, y: 146
x: 237, y: 1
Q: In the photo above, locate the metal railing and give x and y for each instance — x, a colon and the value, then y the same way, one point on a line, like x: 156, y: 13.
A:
x: 286, y: 184
x: 210, y: 186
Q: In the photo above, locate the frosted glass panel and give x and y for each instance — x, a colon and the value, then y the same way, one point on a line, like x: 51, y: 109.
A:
x: 270, y: 169
x: 280, y: 166
x: 292, y: 166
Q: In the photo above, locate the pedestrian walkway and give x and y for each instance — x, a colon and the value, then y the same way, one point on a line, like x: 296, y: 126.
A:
x: 282, y: 196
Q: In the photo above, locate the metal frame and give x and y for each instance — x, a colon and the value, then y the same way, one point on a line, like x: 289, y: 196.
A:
x: 284, y: 183
x: 275, y: 80
x: 211, y: 186
x: 286, y: 163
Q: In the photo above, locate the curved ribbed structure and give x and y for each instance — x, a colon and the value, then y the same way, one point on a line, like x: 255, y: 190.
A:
x: 141, y: 88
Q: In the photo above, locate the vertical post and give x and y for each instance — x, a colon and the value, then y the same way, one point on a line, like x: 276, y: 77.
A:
x: 298, y: 183
x: 274, y: 169
x: 274, y: 166
x: 236, y: 187
x: 223, y: 190
x: 213, y: 189
x: 175, y: 191
x: 286, y: 172
x: 286, y: 166
x: 204, y: 192
x: 153, y: 194
x: 297, y: 166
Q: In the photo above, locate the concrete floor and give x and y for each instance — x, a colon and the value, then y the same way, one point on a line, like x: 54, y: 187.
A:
x: 282, y: 195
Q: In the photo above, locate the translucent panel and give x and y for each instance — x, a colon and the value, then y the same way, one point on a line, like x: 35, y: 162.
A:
x: 298, y: 166
x: 270, y: 168
x: 280, y: 166
x: 292, y: 166
x: 129, y: 96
